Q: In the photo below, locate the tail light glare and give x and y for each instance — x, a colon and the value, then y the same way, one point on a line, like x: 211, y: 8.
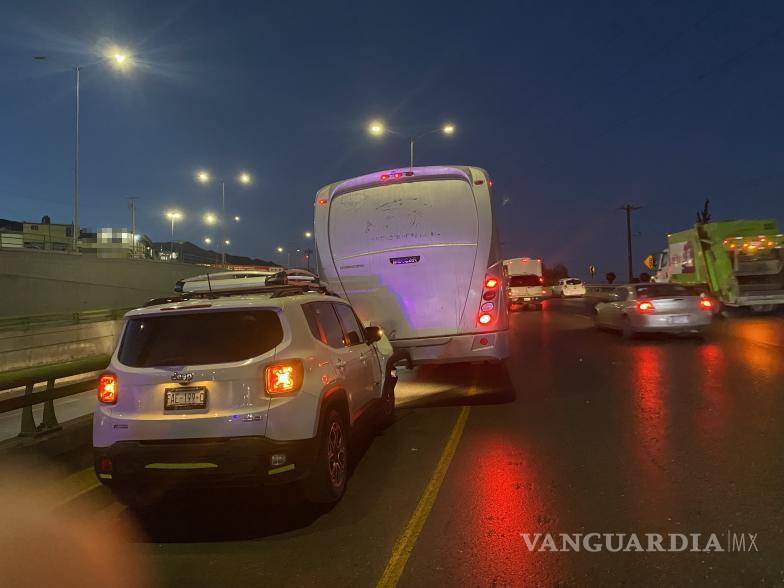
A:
x: 283, y: 378
x: 485, y: 318
x: 487, y: 307
x: 645, y: 307
x: 706, y: 304
x: 491, y: 282
x: 107, y: 389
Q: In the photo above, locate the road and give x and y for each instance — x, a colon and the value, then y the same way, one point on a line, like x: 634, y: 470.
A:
x: 589, y: 433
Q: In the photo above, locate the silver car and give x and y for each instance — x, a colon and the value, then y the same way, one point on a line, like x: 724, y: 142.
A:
x: 642, y: 308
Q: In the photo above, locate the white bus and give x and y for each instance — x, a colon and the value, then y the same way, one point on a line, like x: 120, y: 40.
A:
x: 416, y: 252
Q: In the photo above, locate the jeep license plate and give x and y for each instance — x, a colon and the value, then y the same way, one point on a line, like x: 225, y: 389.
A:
x: 185, y: 398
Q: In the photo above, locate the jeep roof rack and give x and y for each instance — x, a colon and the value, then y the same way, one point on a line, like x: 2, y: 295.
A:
x: 274, y: 291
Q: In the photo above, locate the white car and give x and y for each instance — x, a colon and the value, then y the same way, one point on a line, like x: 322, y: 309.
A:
x: 569, y: 288
x: 238, y: 388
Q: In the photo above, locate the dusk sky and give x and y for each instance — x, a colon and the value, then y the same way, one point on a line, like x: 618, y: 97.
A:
x: 573, y: 107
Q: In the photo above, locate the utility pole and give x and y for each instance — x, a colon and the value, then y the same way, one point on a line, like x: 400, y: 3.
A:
x: 132, y: 205
x: 629, y: 208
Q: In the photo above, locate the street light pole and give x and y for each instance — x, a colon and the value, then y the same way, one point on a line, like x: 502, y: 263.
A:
x: 75, y: 235
x: 411, y: 141
x: 223, y: 222
x: 171, y: 243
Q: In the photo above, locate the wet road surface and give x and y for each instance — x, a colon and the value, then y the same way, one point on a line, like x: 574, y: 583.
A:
x: 588, y: 433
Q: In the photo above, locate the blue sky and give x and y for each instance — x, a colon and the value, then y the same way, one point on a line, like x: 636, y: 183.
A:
x: 575, y: 108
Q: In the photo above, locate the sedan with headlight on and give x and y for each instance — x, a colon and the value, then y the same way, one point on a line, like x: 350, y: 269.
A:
x: 650, y: 308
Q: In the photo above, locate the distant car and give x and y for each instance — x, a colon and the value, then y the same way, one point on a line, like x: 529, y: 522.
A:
x: 238, y: 389
x: 569, y: 287
x: 644, y: 308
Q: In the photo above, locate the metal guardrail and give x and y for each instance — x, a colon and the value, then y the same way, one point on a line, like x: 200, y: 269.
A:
x: 64, y: 318
x: 599, y: 291
x: 29, y: 377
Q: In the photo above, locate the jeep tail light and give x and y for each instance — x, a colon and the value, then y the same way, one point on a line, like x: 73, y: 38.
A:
x: 489, y: 295
x: 645, y: 307
x: 283, y: 377
x: 706, y: 304
x: 485, y: 318
x: 491, y: 282
x: 107, y: 389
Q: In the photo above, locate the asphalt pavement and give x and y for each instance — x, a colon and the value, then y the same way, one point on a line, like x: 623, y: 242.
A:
x: 586, y: 433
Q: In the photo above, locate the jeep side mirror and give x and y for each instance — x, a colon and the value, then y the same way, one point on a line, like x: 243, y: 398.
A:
x: 373, y: 334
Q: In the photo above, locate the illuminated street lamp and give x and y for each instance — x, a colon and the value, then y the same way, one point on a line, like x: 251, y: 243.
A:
x: 204, y: 177
x: 173, y: 215
x: 119, y: 59
x: 207, y: 240
x: 210, y: 218
x: 377, y: 128
x: 308, y: 234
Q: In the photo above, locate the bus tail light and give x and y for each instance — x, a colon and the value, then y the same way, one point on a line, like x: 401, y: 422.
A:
x: 485, y: 318
x: 488, y: 308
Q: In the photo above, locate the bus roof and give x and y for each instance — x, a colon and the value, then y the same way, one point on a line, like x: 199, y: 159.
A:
x: 403, y: 175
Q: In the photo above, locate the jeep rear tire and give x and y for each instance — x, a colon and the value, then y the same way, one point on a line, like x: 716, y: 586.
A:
x: 327, y: 481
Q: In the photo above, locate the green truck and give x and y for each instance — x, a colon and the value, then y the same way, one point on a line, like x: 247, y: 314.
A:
x: 740, y: 262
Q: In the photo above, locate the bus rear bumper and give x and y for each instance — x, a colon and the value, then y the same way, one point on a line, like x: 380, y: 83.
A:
x: 491, y: 346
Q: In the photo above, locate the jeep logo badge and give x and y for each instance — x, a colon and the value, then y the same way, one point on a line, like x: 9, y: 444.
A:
x: 182, y: 377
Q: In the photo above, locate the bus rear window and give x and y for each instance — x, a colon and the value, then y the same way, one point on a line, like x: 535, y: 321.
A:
x: 524, y: 281
x: 199, y: 338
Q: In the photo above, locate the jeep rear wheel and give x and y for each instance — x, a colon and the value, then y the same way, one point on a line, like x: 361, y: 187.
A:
x: 327, y: 481
x: 388, y: 396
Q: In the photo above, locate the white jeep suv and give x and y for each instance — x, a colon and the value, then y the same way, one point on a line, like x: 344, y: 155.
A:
x: 239, y: 388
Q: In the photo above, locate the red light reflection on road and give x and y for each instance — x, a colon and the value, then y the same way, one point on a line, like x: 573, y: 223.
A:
x: 650, y: 445
x: 502, y: 501
x: 714, y: 411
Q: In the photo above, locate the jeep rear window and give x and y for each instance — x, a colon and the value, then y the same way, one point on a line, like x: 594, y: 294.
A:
x: 199, y: 338
x: 524, y: 281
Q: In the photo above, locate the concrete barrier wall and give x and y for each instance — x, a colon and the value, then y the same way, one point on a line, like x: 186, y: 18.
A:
x: 41, y: 282
x: 41, y: 345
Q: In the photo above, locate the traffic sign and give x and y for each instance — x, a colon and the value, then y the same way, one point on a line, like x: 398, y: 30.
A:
x: 649, y: 262
x: 592, y: 270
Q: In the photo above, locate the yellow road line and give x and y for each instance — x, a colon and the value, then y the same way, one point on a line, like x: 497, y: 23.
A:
x: 76, y: 485
x: 407, y: 540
